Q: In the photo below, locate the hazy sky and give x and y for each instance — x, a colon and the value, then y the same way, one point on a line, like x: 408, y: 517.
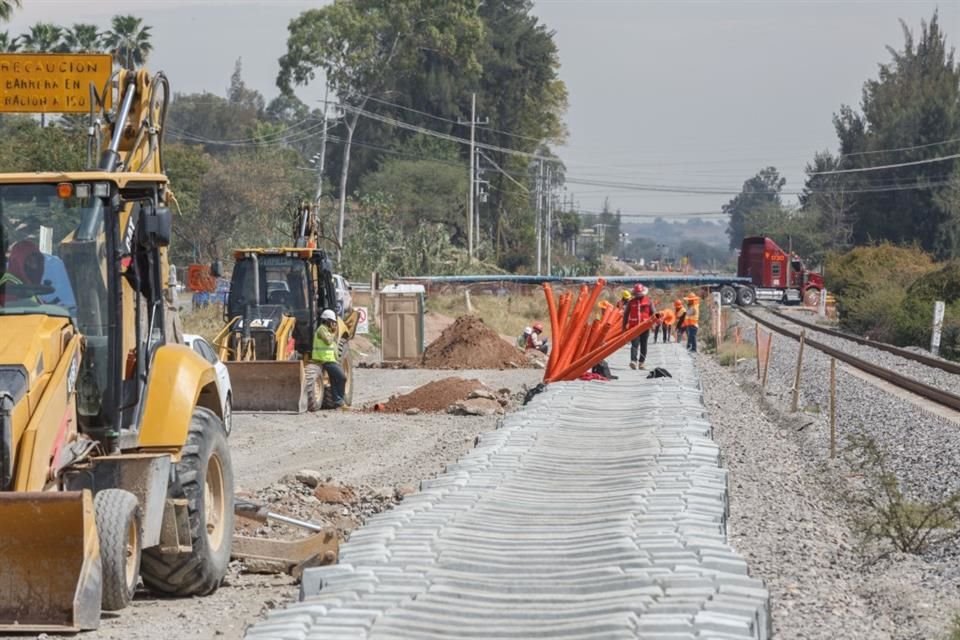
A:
x: 668, y: 93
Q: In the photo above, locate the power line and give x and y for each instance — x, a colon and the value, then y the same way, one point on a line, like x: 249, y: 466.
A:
x: 886, y: 166
x: 446, y: 136
x: 442, y: 119
x: 897, y: 149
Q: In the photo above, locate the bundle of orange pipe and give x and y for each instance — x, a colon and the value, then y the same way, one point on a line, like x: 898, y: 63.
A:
x: 579, y: 343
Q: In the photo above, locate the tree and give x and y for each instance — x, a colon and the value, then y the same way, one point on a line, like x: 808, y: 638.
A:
x: 82, y: 38
x: 826, y: 202
x: 43, y: 37
x: 905, y: 115
x: 422, y: 192
x: 248, y: 198
x: 363, y: 45
x: 129, y: 41
x: 8, y: 44
x: 7, y: 7
x: 759, y: 192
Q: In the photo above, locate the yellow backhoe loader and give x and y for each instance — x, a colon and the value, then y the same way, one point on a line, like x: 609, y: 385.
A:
x: 276, y: 298
x: 114, y: 464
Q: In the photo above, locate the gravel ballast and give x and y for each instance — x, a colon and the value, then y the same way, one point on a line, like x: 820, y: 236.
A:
x: 787, y: 516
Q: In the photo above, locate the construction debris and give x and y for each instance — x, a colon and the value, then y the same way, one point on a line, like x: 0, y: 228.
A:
x: 456, y: 396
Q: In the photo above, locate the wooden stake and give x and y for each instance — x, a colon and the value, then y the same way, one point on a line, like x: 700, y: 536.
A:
x: 796, y: 379
x: 766, y: 365
x: 756, y: 335
x: 833, y: 408
x: 736, y: 345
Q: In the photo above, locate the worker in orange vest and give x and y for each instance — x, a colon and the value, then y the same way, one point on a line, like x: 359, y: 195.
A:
x: 692, y: 320
x: 680, y: 312
x: 639, y: 309
x: 668, y: 318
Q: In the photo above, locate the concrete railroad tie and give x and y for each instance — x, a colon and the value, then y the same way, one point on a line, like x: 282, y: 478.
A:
x: 598, y: 511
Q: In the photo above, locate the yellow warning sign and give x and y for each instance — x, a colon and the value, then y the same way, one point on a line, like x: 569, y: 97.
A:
x: 51, y: 82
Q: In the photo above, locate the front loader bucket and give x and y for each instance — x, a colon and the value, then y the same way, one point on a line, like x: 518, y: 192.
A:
x: 50, y: 573
x: 268, y: 386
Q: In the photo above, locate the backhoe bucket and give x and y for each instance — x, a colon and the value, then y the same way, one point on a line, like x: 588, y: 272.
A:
x: 50, y: 576
x: 268, y: 386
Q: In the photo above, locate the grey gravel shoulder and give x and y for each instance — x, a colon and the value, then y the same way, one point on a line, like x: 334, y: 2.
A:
x: 787, y: 487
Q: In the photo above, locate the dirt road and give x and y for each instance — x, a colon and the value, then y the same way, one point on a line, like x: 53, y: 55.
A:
x: 356, y: 448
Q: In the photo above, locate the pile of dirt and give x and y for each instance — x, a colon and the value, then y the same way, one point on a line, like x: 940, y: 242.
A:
x: 433, y: 396
x: 470, y: 344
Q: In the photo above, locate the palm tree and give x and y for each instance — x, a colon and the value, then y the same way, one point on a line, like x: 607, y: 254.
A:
x: 129, y: 40
x: 7, y: 7
x: 8, y: 44
x: 42, y: 38
x: 82, y: 38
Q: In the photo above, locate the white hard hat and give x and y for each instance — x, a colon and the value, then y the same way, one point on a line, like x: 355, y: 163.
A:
x: 328, y: 314
x: 527, y: 331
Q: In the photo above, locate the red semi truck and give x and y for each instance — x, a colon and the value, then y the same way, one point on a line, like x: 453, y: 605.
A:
x: 773, y: 275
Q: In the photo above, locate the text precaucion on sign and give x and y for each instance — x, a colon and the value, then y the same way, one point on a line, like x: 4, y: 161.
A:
x: 51, y: 83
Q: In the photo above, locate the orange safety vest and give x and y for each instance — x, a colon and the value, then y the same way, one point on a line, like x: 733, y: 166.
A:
x: 669, y: 318
x: 693, y: 316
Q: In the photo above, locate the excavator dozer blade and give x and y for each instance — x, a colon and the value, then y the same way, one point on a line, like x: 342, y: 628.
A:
x: 50, y: 575
x: 268, y: 386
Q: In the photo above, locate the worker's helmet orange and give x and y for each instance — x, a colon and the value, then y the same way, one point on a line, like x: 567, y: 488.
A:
x: 538, y: 327
x: 678, y: 304
x: 639, y: 289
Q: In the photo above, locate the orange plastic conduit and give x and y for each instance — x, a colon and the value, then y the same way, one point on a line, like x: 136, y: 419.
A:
x: 570, y: 334
x: 580, y: 324
x: 555, y: 333
x: 578, y: 368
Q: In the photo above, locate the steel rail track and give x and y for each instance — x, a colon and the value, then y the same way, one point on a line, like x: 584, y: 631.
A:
x: 939, y: 396
x: 950, y: 367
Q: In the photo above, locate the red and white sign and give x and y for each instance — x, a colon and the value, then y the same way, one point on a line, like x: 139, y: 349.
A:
x: 363, y: 321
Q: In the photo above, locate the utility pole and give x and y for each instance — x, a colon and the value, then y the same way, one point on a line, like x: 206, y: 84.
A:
x: 539, y: 196
x: 549, y: 229
x: 323, y: 147
x: 473, y: 175
x: 473, y: 122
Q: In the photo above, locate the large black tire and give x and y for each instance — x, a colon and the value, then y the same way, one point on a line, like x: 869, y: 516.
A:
x: 119, y: 531
x: 204, y: 476
x: 746, y: 296
x: 728, y: 295
x: 313, y: 379
x: 346, y: 363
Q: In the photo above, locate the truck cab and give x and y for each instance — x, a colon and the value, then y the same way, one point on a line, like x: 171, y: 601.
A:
x: 775, y: 275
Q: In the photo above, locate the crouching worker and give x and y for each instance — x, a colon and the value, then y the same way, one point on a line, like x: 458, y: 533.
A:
x: 325, y: 354
x: 534, y: 341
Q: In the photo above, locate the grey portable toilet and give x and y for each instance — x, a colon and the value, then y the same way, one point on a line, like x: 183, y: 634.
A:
x: 401, y: 321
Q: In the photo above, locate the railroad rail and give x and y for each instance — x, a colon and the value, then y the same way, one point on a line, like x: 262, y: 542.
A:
x: 929, y: 392
x: 930, y: 361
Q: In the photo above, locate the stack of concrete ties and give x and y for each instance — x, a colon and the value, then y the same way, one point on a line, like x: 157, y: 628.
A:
x: 598, y: 511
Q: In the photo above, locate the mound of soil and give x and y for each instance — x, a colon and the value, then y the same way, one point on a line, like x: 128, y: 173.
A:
x: 433, y: 396
x: 470, y: 344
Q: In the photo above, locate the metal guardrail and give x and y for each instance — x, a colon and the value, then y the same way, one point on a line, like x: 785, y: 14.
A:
x: 939, y: 396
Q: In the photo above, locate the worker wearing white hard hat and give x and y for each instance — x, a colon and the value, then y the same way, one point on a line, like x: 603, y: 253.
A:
x: 325, y: 354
